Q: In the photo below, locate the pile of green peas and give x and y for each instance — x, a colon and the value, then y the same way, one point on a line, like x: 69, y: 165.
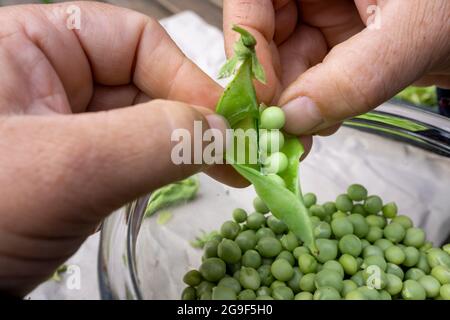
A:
x: 366, y: 252
x: 271, y: 140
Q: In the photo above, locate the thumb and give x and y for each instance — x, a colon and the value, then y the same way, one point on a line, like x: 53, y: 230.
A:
x: 369, y: 68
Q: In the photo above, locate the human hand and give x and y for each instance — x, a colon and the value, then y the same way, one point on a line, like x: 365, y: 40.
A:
x: 70, y: 152
x: 324, y: 65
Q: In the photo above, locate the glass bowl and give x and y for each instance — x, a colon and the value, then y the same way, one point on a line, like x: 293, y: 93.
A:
x: 398, y: 152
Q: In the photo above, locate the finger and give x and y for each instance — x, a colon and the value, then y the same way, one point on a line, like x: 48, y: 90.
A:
x: 258, y: 18
x: 107, y: 97
x: 87, y: 165
x: 329, y: 131
x: 285, y: 22
x: 226, y: 174
x: 364, y: 71
x: 112, y: 47
x: 307, y: 142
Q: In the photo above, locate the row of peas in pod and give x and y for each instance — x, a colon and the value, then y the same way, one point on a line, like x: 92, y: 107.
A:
x: 271, y: 140
x: 366, y: 252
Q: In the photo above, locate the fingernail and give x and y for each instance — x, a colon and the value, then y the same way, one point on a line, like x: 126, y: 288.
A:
x: 216, y: 121
x: 302, y: 115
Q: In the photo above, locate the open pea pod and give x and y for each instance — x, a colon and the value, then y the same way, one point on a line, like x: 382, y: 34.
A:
x: 240, y: 107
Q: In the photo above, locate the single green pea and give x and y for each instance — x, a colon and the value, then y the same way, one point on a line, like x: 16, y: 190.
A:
x: 395, y: 270
x: 294, y: 282
x: 414, y: 237
x: 213, y: 269
x: 375, y: 260
x: 423, y: 263
x: 412, y: 290
x: 277, y: 162
x: 328, y: 278
x: 318, y: 211
x: 374, y: 277
x: 412, y: 256
x: 288, y: 256
x: 374, y: 234
x: 246, y: 294
x: 326, y: 293
x: 269, y: 247
x: 231, y: 283
x: 309, y: 199
x: 373, y: 204
x: 289, y: 241
x: 307, y: 263
x: 395, y: 254
x: 282, y: 270
x: 249, y: 278
x: 327, y: 250
x: 230, y: 230
x: 369, y: 293
x: 446, y: 248
x: 445, y: 292
x: 276, y: 284
x: 384, y: 295
x: 358, y: 279
x: 349, y: 264
x: 442, y: 274
x: 405, y: 221
x: 276, y: 225
x: 347, y: 286
x: 283, y: 293
x: 329, y: 207
x: 394, y: 284
x: 360, y: 226
x: 272, y: 118
x: 390, y: 210
x: 350, y: 244
x: 414, y: 274
x: 223, y: 293
x: 436, y: 256
x: 341, y: 227
x: 251, y: 259
x: 372, y: 250
x: 246, y: 240
x: 260, y: 206
x: 210, y: 249
x: 255, y: 220
x: 192, y: 278
x: 359, y: 209
x: 355, y: 295
x: 307, y: 282
x: 338, y: 214
x: 376, y: 221
x: 335, y: 266
x: 426, y: 246
x: 430, y: 284
x: 364, y: 243
x: 206, y: 295
x: 322, y: 230
x: 344, y: 203
x: 204, y: 287
x: 239, y: 215
x: 263, y: 291
x: 394, y: 232
x: 357, y: 192
x: 189, y: 293
x: 383, y: 244
x: 229, y: 251
x: 299, y: 250
x: 303, y: 296
x: 264, y: 232
x: 271, y: 140
x: 265, y: 275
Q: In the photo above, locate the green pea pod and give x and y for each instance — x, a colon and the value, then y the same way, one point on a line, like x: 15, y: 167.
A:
x: 283, y: 203
x: 172, y: 194
x: 240, y: 107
